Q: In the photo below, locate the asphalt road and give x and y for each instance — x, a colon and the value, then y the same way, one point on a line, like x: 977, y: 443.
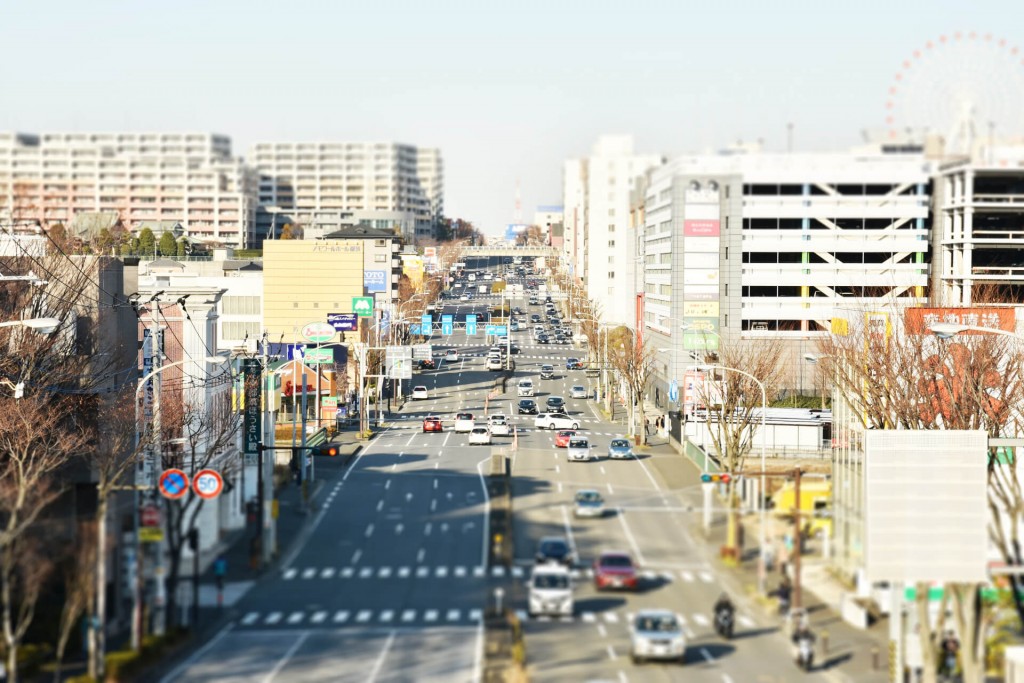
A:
x: 390, y: 581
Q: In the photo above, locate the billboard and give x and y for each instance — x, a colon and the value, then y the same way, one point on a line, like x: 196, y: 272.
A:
x: 375, y: 280
x: 701, y: 228
x: 918, y: 320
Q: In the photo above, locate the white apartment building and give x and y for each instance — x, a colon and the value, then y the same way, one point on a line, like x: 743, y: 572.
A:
x: 777, y: 245
x: 606, y: 177
x: 383, y: 182
x: 547, y: 218
x: 574, y: 217
x: 978, y: 237
x: 165, y: 178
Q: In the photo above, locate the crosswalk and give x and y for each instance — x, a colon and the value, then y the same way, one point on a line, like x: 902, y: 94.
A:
x: 457, y: 572
x: 407, y: 616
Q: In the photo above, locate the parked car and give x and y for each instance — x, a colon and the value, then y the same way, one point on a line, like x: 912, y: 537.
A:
x: 432, y: 423
x: 579, y: 449
x: 615, y: 570
x: 555, y: 421
x: 419, y: 393
x: 463, y: 422
x: 620, y: 449
x: 657, y: 634
x: 554, y: 549
x: 579, y: 391
x: 479, y: 436
x: 562, y: 437
x: 589, y: 503
x: 527, y: 407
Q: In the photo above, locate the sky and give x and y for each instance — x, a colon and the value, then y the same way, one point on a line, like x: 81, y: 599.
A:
x: 507, y: 91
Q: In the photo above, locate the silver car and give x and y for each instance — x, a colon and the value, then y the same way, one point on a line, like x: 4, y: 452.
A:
x: 657, y: 634
x: 579, y: 449
x: 620, y: 449
x: 578, y: 391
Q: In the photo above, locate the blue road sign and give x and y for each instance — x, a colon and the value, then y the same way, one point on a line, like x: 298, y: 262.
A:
x: 490, y: 330
x: 415, y: 328
x: 343, y: 322
x: 446, y: 328
x: 673, y: 391
x: 500, y: 329
x: 470, y: 324
x: 446, y: 318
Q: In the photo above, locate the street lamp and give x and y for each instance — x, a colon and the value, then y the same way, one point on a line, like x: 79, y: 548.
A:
x: 40, y: 325
x: 101, y: 533
x: 947, y: 330
x: 813, y: 360
x: 764, y: 436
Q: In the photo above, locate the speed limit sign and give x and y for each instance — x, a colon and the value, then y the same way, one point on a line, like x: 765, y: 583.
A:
x: 207, y: 483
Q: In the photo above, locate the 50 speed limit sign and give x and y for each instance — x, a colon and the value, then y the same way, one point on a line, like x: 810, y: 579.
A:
x: 207, y: 483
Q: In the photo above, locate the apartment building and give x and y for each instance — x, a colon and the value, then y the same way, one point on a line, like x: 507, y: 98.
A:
x: 549, y: 220
x: 574, y: 217
x: 386, y: 185
x: 748, y: 246
x: 978, y: 236
x: 601, y: 195
x: 189, y: 179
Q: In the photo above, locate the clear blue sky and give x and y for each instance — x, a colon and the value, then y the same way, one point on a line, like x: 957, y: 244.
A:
x: 506, y: 90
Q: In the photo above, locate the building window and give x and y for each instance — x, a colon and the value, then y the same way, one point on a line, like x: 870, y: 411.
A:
x: 239, y: 330
x: 240, y: 305
x: 611, y: 227
x: 380, y: 258
x: 611, y: 211
x: 611, y: 275
x: 611, y: 243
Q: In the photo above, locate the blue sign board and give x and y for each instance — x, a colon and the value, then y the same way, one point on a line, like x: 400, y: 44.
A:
x: 446, y: 318
x: 375, y: 280
x: 490, y: 330
x: 470, y: 324
x: 415, y: 328
x: 500, y: 329
x: 343, y: 322
x: 385, y: 322
x: 426, y: 324
x: 673, y: 391
x: 446, y: 328
x: 296, y: 351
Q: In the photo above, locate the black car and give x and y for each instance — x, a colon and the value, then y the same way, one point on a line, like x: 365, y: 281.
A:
x: 543, y: 339
x: 554, y: 402
x: 527, y: 406
x: 535, y: 318
x: 514, y: 349
x: 554, y: 549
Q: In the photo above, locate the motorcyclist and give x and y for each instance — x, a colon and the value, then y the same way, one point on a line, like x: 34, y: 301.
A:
x: 785, y: 592
x: 724, y: 611
x: 950, y: 649
x: 803, y: 635
x: 724, y: 605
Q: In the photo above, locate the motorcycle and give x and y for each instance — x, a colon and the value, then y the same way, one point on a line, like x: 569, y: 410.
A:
x: 724, y: 623
x: 805, y: 653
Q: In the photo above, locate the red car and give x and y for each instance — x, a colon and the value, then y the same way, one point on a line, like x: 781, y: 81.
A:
x: 614, y: 570
x: 432, y: 424
x: 562, y: 437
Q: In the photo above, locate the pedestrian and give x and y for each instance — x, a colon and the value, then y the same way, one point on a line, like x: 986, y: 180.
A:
x: 647, y: 426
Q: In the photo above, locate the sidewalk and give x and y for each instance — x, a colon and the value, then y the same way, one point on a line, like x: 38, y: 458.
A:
x: 849, y: 654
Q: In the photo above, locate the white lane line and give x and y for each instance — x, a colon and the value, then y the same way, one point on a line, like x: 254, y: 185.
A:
x: 272, y: 674
x: 611, y: 652
x: 706, y: 577
x: 487, y: 513
x: 706, y: 655
x: 610, y: 491
x: 460, y: 571
x: 355, y: 557
x: 387, y: 615
x: 422, y: 572
x: 290, y: 573
x: 384, y: 573
x: 347, y: 572
x: 365, y: 572
x: 394, y: 467
x: 427, y: 528
x: 602, y: 470
x: 441, y: 572
x: 726, y: 678
x: 308, y: 573
x: 701, y: 619
x: 454, y: 614
x: 430, y: 615
x: 327, y: 572
x: 379, y: 664
x: 273, y: 618
x: 611, y: 617
x: 409, y: 615
x: 602, y: 630
x: 369, y: 530
x: 196, y: 656
x: 478, y: 571
x: 559, y: 487
x: 419, y: 558
x: 296, y: 617
x: 403, y: 572
x: 380, y: 505
x: 387, y: 484
x: 745, y: 621
x: 568, y: 530
x: 630, y: 537
x: 588, y: 617
x: 364, y: 616
x: 250, y: 618
x: 319, y: 617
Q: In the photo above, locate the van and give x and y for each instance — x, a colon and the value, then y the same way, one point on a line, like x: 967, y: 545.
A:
x: 815, y: 504
x: 550, y: 591
x: 525, y: 388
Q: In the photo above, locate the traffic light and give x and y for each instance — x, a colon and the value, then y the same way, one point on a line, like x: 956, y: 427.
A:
x: 716, y: 478
x: 327, y: 449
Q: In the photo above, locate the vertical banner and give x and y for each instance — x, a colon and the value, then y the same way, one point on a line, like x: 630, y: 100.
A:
x: 252, y: 427
x: 147, y: 464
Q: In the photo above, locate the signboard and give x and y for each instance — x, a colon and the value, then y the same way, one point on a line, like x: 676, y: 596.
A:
x: 422, y: 352
x: 700, y: 277
x: 447, y: 328
x: 173, y: 484
x: 925, y: 505
x: 416, y: 328
x: 470, y: 324
x: 342, y: 322
x: 318, y: 332
x: 673, y: 391
x: 329, y: 402
x: 446, y: 318
x: 501, y: 330
x: 918, y: 320
x: 362, y: 306
x: 207, y: 484
x: 398, y: 362
x: 701, y: 228
x: 698, y: 341
x: 426, y: 324
x: 430, y: 252
x: 318, y: 356
x: 149, y: 515
x: 375, y: 280
x: 151, y: 534
x: 701, y: 309
x: 490, y: 330
x: 252, y: 417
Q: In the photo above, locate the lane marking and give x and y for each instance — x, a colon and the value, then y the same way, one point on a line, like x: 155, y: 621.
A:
x: 602, y: 630
x: 568, y: 530
x: 379, y: 664
x: 387, y: 484
x: 630, y: 537
x: 706, y: 655
x: 175, y: 673
x: 355, y: 557
x: 369, y: 530
x: 285, y: 659
x: 419, y: 558
x: 611, y: 652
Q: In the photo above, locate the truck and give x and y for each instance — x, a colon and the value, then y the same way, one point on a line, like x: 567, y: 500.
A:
x: 815, y: 504
x: 484, y: 289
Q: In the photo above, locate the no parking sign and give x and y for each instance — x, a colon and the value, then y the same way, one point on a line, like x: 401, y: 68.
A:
x: 207, y: 484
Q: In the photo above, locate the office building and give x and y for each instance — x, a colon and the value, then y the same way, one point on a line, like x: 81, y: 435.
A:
x: 383, y: 185
x: 188, y: 179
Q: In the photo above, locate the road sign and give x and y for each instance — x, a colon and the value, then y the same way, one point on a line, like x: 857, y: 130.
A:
x: 342, y: 322
x: 149, y: 515
x: 447, y: 319
x: 151, y: 534
x: 208, y: 484
x: 471, y: 324
x: 500, y: 330
x: 415, y: 328
x: 399, y: 362
x: 422, y: 352
x: 490, y: 330
x: 318, y: 356
x: 318, y: 332
x: 362, y: 306
x: 446, y: 328
x: 673, y: 391
x: 173, y: 484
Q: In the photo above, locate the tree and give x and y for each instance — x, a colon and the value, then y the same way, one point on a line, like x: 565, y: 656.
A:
x: 733, y: 406
x: 60, y: 240
x: 168, y: 247
x: 291, y: 231
x: 79, y: 590
x: 104, y: 242
x: 633, y: 363
x: 181, y: 248
x: 147, y: 243
x: 899, y: 378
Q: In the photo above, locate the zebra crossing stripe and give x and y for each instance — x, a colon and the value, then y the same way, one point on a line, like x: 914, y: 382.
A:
x: 701, y: 619
x: 409, y: 615
x: 421, y: 572
x: 384, y: 572
x: 611, y: 617
x: 296, y: 617
x: 453, y: 615
x: 274, y: 617
x: 476, y: 614
x: 364, y: 616
x: 745, y: 621
x: 517, y: 572
x: 327, y: 573
x: 706, y: 577
x: 319, y: 617
x: 589, y: 617
x: 460, y: 571
x: 250, y: 618
x: 498, y: 571
x: 347, y: 572
x: 478, y: 572
x: 430, y: 615
x: 341, y: 616
x: 290, y: 574
x: 365, y: 572
x: 403, y: 572
x: 308, y: 573
x: 387, y: 615
x: 442, y: 572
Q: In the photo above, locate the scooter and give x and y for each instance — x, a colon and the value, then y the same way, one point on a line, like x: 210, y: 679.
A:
x: 805, y: 653
x: 724, y: 623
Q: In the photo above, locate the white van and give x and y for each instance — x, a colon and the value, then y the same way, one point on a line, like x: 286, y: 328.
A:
x: 550, y: 590
x: 525, y: 388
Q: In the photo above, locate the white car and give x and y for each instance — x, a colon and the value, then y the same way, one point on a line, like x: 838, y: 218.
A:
x: 497, y: 417
x: 578, y: 391
x: 589, y: 503
x: 451, y: 354
x: 579, y: 449
x: 419, y: 393
x: 479, y: 436
x: 494, y: 363
x: 657, y: 634
x: 500, y: 428
x: 550, y: 591
x: 464, y: 297
x: 464, y: 422
x: 555, y: 421
x: 525, y: 388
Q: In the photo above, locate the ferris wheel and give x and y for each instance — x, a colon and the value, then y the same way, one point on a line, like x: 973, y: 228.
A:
x: 967, y: 87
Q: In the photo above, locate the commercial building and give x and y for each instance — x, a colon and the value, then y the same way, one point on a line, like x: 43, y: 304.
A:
x: 186, y: 178
x: 753, y: 246
x: 549, y: 220
x: 382, y: 185
x: 597, y: 209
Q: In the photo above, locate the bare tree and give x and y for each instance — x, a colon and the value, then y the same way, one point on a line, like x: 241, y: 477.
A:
x: 79, y: 589
x: 733, y: 403
x: 633, y: 363
x: 900, y: 379
x: 25, y: 568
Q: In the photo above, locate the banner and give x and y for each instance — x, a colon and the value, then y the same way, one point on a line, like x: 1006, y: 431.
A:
x: 918, y: 320
x: 252, y: 423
